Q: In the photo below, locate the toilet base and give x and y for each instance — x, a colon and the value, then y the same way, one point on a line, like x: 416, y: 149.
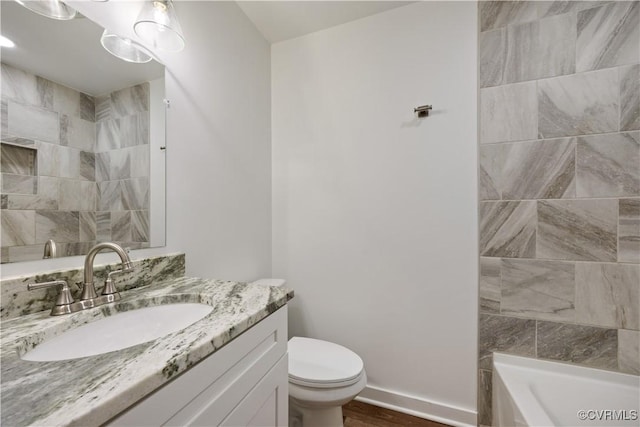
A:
x: 314, y: 417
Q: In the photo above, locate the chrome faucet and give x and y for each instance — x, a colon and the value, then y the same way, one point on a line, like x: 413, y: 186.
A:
x: 88, y: 298
x: 50, y: 249
x: 88, y: 289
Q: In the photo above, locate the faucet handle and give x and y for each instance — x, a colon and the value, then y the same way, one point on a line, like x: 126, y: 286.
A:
x: 109, y: 286
x: 64, y: 297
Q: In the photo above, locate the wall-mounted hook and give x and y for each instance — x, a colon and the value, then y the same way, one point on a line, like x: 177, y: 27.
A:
x: 423, y: 110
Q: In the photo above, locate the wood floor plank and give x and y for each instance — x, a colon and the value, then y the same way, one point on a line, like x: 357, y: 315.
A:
x: 359, y: 414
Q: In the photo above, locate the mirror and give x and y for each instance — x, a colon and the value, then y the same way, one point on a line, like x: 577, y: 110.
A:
x: 82, y: 156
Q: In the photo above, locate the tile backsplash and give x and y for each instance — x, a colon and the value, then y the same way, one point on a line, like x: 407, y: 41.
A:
x: 559, y: 184
x: 75, y: 168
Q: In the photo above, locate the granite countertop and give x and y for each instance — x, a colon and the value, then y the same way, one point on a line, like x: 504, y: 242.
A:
x: 92, y: 390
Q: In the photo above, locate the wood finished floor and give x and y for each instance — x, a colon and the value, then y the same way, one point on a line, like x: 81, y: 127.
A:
x: 359, y: 414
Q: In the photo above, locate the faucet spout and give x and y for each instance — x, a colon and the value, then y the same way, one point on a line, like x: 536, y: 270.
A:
x: 89, y: 290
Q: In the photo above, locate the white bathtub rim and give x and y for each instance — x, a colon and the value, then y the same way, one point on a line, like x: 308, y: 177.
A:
x: 534, y: 414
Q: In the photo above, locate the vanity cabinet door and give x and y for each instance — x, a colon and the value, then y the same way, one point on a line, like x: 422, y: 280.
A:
x: 240, y: 378
x: 266, y: 404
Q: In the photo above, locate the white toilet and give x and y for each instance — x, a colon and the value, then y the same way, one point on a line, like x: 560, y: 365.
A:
x: 323, y: 376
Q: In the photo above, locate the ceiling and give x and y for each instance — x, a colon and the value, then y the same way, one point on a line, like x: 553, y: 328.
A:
x: 42, y: 43
x: 283, y: 20
x: 42, y: 48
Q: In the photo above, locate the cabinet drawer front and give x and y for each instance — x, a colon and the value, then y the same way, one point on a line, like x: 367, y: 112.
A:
x: 218, y: 383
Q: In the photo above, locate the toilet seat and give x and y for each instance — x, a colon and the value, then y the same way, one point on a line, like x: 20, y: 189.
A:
x: 321, y: 364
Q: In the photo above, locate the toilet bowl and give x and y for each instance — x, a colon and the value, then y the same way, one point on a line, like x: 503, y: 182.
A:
x: 323, y: 376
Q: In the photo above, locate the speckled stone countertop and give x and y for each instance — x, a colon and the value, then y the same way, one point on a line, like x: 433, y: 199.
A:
x: 92, y: 390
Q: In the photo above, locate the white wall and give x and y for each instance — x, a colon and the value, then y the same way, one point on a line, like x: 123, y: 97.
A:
x: 374, y: 211
x: 218, y: 155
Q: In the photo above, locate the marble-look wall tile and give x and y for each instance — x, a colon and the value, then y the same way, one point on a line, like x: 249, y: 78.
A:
x: 550, y: 8
x: 578, y: 230
x: 538, y: 289
x: 630, y: 97
x: 103, y: 108
x: 48, y: 159
x: 130, y: 101
x: 629, y: 230
x: 46, y: 199
x: 140, y: 226
x: 539, y: 170
x: 66, y: 100
x: 608, y: 36
x: 556, y: 46
x: 135, y: 193
x: 24, y: 253
x: 17, y: 160
x: 608, y: 165
x: 490, y: 285
x: 578, y: 104
x: 88, y: 166
x: 107, y: 135
x: 4, y: 118
x: 508, y: 229
x: 121, y: 226
x: 19, y: 184
x: 628, y: 352
x: 60, y: 226
x: 490, y: 165
x: 87, y: 107
x: 485, y: 391
x: 103, y: 166
x: 492, y: 54
x: 120, y: 164
x: 103, y: 226
x: 88, y: 226
x: 69, y: 162
x: 89, y: 195
x: 33, y: 122
x: 540, y: 49
x: 81, y: 134
x: 586, y: 345
x: 4, y: 201
x: 506, y: 334
x: 139, y: 160
x: 608, y: 295
x: 18, y: 227
x: 109, y: 196
x: 26, y: 88
x: 134, y: 130
x: 508, y: 113
x: 496, y: 14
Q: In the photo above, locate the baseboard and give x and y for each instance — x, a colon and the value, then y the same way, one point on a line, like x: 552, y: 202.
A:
x: 418, y: 407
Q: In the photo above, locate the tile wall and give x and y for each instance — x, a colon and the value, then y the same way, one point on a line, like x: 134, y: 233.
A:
x: 559, y: 184
x: 53, y: 165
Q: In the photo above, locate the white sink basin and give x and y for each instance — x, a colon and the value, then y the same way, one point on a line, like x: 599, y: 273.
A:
x: 118, y: 331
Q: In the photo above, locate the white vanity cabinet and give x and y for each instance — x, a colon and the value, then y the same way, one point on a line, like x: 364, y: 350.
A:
x: 245, y: 383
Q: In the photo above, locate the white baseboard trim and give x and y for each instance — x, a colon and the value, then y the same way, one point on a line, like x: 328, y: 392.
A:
x: 418, y: 407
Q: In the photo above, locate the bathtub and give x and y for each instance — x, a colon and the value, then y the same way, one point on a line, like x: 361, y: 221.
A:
x: 531, y: 392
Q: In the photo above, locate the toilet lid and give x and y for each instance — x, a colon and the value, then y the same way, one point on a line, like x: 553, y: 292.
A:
x: 319, y: 363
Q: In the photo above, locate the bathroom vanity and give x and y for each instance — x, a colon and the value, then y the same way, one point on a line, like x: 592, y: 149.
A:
x: 229, y: 368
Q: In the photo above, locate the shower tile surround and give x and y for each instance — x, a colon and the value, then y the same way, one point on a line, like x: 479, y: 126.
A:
x: 74, y: 168
x: 559, y: 184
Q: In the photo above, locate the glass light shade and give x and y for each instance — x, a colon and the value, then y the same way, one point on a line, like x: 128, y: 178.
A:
x: 50, y: 8
x: 124, y: 48
x: 158, y: 25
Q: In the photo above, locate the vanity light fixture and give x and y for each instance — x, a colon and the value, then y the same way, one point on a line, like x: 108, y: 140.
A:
x: 6, y: 42
x: 158, y: 25
x: 50, y: 8
x: 124, y: 48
